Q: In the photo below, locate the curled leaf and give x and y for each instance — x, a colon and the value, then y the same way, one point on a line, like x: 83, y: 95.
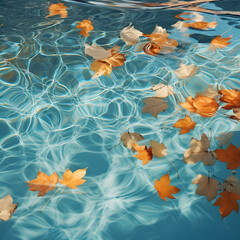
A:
x: 130, y: 35
x: 57, y: 9
x: 186, y: 71
x: 185, y: 124
x: 7, y: 207
x: 85, y: 26
x: 144, y: 153
x: 151, y: 48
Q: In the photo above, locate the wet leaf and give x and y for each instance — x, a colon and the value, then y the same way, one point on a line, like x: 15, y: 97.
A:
x: 227, y: 203
x: 100, y: 68
x: 129, y: 138
x: 43, y: 183
x: 186, y: 71
x: 236, y: 115
x: 164, y: 189
x: 154, y: 106
x: 158, y: 149
x: 85, y: 26
x: 231, y: 184
x: 7, y: 207
x: 73, y: 179
x: 201, y: 25
x: 202, y: 105
x: 151, y: 49
x: 210, y: 92
x: 224, y: 138
x: 97, y: 52
x: 144, y: 153
x: 230, y: 96
x: 196, y: 16
x: 180, y: 16
x: 207, y: 186
x: 130, y: 35
x: 116, y: 59
x: 57, y: 9
x: 219, y: 42
x: 162, y: 90
x: 199, y: 152
x: 185, y: 124
x: 231, y: 155
x: 180, y: 26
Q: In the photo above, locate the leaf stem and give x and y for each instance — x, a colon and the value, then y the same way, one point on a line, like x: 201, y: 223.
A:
x: 171, y: 116
x: 173, y: 166
x: 49, y: 199
x: 114, y: 146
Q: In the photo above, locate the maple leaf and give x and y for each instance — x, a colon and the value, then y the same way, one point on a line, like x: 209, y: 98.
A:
x: 162, y: 90
x: 43, y: 183
x: 164, y: 189
x: 85, y: 26
x: 144, y: 153
x: 231, y: 155
x: 231, y: 184
x: 230, y: 96
x: 204, y: 106
x: 100, y: 68
x: 73, y: 179
x: 7, y: 207
x: 206, y: 186
x: 57, y: 9
x: 236, y: 115
x: 209, y: 92
x: 97, y: 52
x: 130, y: 35
x: 158, y: 149
x: 201, y: 25
x: 186, y: 71
x: 199, y: 151
x: 129, y: 138
x: 227, y: 203
x: 219, y: 42
x: 154, y: 106
x: 185, y: 124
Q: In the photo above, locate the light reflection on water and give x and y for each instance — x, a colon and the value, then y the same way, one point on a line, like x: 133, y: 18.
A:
x: 54, y: 116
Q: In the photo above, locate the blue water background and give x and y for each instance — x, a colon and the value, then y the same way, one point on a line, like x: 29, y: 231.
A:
x: 54, y: 116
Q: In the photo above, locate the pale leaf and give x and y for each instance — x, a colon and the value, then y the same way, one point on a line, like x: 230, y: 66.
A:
x: 186, y: 71
x: 180, y: 25
x: 209, y: 92
x: 231, y: 184
x: 7, y: 207
x: 130, y: 35
x: 162, y: 90
x: 97, y: 52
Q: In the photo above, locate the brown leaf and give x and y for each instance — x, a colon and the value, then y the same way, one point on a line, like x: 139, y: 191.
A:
x: 58, y: 9
x: 85, y: 26
x: 185, y: 124
x: 154, y: 106
x: 219, y: 42
x: 144, y: 153
x: 7, y: 207
x: 231, y: 184
x: 129, y: 138
x: 158, y: 149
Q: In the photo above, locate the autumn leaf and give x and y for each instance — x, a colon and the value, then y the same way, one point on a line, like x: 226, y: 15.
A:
x: 73, y: 179
x: 224, y: 138
x: 85, y: 26
x: 162, y: 90
x: 231, y: 184
x: 151, y: 49
x: 227, y: 203
x: 199, y: 152
x: 231, y: 155
x: 154, y: 106
x: 116, y: 59
x: 204, y: 106
x: 144, y: 153
x: 196, y: 16
x: 186, y: 71
x: 130, y: 35
x: 58, y: 9
x: 97, y: 52
x: 219, y: 42
x: 158, y: 149
x: 180, y: 26
x: 164, y: 189
x: 43, y: 183
x: 230, y: 96
x: 206, y: 186
x: 236, y: 115
x: 201, y: 25
x: 100, y: 68
x: 210, y: 92
x: 129, y: 138
x: 180, y: 16
x: 185, y: 124
x: 7, y: 207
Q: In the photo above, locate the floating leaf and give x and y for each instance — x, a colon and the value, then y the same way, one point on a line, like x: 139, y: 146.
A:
x: 57, y: 9
x: 204, y: 106
x: 144, y: 153
x: 210, y: 92
x: 206, y: 186
x: 97, y: 52
x: 116, y: 59
x: 219, y: 42
x: 100, y: 68
x: 231, y: 184
x: 180, y: 25
x: 43, y: 183
x: 162, y: 90
x: 154, y: 106
x: 197, y: 16
x: 73, y: 179
x: 227, y: 203
x: 231, y: 155
x: 130, y: 35
x: 85, y: 26
x: 158, y: 149
x: 186, y: 71
x: 236, y: 115
x: 185, y: 124
x: 7, y: 207
x: 151, y: 49
x: 164, y: 189
x: 129, y: 138
x: 230, y: 96
x: 224, y: 138
x: 201, y: 25
x: 199, y: 151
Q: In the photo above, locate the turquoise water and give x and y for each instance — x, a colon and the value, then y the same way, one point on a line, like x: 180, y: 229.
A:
x: 54, y: 116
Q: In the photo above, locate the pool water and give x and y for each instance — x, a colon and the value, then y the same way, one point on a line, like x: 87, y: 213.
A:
x: 54, y: 115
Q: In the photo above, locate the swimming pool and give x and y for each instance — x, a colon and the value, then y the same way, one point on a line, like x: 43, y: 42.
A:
x: 54, y: 116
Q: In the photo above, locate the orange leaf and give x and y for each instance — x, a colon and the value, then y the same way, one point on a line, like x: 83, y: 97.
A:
x: 164, y: 189
x: 200, y: 25
x: 117, y: 59
x: 231, y: 155
x: 101, y: 68
x: 58, y: 9
x: 144, y: 153
x: 43, y: 183
x: 179, y: 16
x: 230, y: 96
x: 219, y: 42
x: 228, y: 203
x: 73, y: 179
x: 151, y: 49
x: 185, y: 124
x: 203, y: 105
x: 86, y: 27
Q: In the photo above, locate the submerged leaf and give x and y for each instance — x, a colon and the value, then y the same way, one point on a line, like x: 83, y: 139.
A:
x: 7, y: 207
x: 210, y: 92
x: 151, y: 49
x: 130, y: 35
x: 158, y: 149
x: 129, y: 138
x: 219, y: 42
x: 58, y: 9
x: 97, y: 52
x: 186, y: 71
x: 162, y: 90
x: 144, y: 153
x: 224, y: 138
x: 86, y: 27
x: 236, y: 115
x: 185, y: 124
